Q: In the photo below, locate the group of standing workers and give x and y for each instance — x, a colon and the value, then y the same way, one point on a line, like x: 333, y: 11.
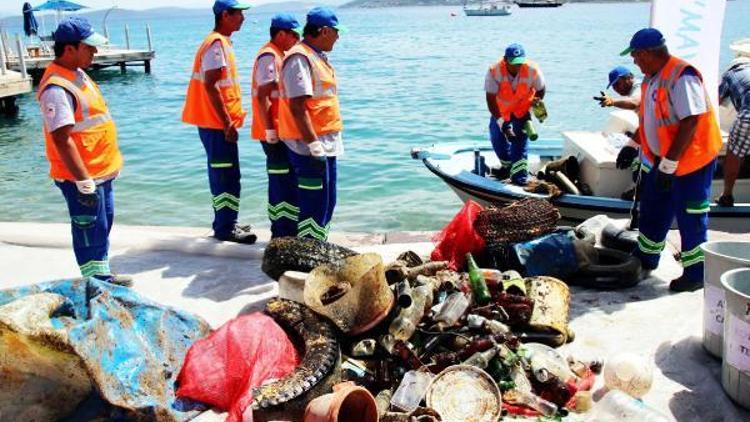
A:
x: 296, y: 118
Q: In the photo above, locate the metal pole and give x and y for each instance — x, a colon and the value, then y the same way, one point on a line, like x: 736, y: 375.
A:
x: 21, y: 58
x: 127, y: 37
x: 3, y: 69
x: 106, y: 32
x: 148, y: 37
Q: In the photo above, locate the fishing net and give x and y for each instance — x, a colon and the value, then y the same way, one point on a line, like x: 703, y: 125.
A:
x: 518, y: 222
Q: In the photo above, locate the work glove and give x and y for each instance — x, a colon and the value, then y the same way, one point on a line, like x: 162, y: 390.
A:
x: 87, y: 193
x: 316, y: 149
x: 506, y: 127
x: 665, y: 174
x: 271, y: 136
x: 625, y: 158
x: 605, y: 100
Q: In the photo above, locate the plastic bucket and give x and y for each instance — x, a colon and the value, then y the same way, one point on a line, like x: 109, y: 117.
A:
x: 721, y: 256
x: 735, y: 368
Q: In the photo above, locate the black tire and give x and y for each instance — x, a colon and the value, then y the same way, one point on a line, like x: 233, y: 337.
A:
x: 614, y: 237
x: 614, y: 270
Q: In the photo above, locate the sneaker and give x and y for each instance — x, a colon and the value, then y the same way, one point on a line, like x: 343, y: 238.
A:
x: 240, y: 234
x: 684, y: 284
x: 725, y: 201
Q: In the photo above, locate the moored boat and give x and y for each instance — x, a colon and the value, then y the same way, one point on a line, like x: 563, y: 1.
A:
x: 489, y: 9
x: 456, y: 165
x: 539, y: 3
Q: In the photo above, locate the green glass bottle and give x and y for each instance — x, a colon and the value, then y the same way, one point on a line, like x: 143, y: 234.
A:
x: 528, y: 128
x: 476, y: 280
x: 540, y: 111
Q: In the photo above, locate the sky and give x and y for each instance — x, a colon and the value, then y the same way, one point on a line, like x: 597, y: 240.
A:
x: 13, y: 7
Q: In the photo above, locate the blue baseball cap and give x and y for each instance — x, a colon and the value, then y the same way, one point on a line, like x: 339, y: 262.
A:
x: 324, y: 16
x: 286, y: 21
x: 222, y: 5
x: 618, y: 73
x: 644, y: 39
x: 76, y: 29
x: 515, y: 54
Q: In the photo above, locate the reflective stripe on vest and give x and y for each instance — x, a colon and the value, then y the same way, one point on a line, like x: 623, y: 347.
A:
x: 706, y: 142
x: 514, y: 101
x: 322, y: 106
x: 199, y: 110
x: 94, y: 133
x: 258, y: 130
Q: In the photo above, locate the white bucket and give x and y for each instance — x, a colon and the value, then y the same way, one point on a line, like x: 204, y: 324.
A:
x: 735, y: 368
x: 721, y: 256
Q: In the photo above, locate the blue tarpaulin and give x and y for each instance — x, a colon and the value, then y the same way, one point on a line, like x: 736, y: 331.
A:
x: 130, y: 347
x: 552, y: 255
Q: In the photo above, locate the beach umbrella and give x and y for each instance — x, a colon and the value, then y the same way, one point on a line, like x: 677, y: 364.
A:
x: 59, y: 6
x: 30, y: 25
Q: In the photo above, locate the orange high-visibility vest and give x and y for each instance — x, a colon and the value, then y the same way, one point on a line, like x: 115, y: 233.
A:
x: 322, y: 106
x: 509, y: 101
x: 706, y: 142
x: 94, y: 133
x: 198, y: 109
x: 258, y: 129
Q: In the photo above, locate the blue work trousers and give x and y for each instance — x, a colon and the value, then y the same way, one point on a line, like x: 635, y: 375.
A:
x: 90, y: 227
x: 316, y: 194
x: 223, y: 178
x: 512, y: 152
x: 283, y: 208
x: 688, y: 201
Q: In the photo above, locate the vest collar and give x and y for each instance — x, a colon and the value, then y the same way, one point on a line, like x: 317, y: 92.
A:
x: 316, y: 50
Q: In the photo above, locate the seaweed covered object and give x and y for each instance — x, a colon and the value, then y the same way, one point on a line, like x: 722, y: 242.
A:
x: 297, y: 254
x: 520, y: 221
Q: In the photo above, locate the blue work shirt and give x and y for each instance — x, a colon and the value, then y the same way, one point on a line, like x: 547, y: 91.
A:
x: 735, y: 85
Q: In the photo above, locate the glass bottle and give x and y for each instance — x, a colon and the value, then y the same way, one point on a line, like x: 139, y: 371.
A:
x: 481, y: 359
x: 476, y: 280
x: 411, y: 391
x: 452, y: 309
x: 528, y: 129
x: 540, y: 111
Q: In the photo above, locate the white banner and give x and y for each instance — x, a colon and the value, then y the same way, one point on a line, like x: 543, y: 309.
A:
x: 692, y: 29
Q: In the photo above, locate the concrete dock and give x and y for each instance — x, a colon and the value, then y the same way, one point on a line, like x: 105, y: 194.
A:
x: 185, y: 268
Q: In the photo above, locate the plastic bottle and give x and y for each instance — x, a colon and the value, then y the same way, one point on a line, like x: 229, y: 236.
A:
x: 411, y: 391
x: 521, y: 394
x: 629, y: 373
x: 542, y: 357
x: 529, y: 130
x: 478, y: 285
x: 617, y: 406
x: 452, y: 309
x: 494, y: 327
x: 481, y: 359
x: 540, y: 111
x: 404, y: 325
x: 403, y: 294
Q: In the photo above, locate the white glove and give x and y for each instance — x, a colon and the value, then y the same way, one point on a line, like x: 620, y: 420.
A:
x: 316, y: 149
x: 271, y: 136
x: 668, y: 166
x: 86, y: 187
x: 632, y: 143
x: 500, y: 122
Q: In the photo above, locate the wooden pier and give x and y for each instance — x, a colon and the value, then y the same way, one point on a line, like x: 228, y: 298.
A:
x: 36, y: 59
x: 12, y: 84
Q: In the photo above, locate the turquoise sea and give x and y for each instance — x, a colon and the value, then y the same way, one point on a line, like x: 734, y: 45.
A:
x: 408, y: 77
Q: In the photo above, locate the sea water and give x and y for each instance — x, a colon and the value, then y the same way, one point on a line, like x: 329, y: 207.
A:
x: 408, y: 77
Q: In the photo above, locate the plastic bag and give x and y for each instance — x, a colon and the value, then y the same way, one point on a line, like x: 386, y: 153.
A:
x: 551, y: 255
x: 222, y: 369
x: 459, y: 237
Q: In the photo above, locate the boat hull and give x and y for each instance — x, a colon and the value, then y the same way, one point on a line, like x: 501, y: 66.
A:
x: 486, y: 12
x: 573, y: 208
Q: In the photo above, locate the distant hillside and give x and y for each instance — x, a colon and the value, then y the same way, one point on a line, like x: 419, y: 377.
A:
x: 399, y: 3
x: 118, y: 15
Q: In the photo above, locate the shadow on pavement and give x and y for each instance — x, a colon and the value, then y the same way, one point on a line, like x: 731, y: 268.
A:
x: 583, y: 300
x: 214, y: 278
x: 702, y: 399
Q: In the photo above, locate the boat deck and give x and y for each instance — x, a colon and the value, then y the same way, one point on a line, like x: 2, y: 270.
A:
x: 13, y: 83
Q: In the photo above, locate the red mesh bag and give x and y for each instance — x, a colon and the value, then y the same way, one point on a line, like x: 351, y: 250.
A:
x: 459, y: 237
x: 222, y: 369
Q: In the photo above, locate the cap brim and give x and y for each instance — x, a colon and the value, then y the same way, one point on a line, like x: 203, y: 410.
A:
x: 241, y: 6
x: 517, y: 60
x: 342, y: 29
x: 299, y: 30
x: 96, y: 40
x: 626, y: 51
x: 611, y: 83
